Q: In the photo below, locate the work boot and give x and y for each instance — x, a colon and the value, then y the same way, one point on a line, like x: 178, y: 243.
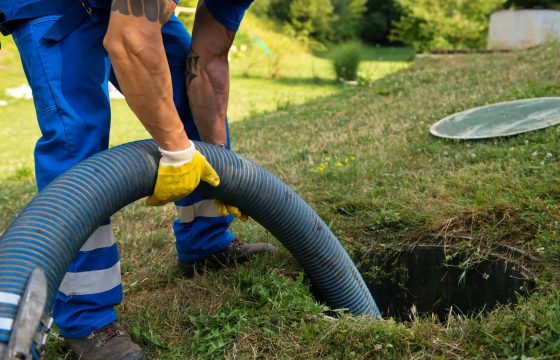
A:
x: 236, y: 252
x: 108, y: 343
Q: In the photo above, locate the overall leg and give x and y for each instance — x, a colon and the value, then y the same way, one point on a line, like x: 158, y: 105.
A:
x: 69, y: 82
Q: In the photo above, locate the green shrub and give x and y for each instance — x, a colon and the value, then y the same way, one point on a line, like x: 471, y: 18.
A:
x: 346, y: 60
x: 444, y: 24
x: 312, y: 18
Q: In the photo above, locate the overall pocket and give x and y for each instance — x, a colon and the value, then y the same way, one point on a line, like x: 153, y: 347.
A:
x: 27, y: 37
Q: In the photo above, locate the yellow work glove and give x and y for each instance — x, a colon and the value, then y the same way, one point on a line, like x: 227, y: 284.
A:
x: 225, y: 209
x: 179, y: 173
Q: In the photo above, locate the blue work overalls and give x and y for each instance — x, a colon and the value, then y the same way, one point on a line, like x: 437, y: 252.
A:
x: 69, y: 77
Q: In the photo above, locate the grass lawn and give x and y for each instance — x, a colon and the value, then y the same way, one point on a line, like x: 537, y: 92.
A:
x: 301, y: 76
x: 398, y: 182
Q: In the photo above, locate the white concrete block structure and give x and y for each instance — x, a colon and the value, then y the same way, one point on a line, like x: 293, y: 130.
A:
x: 522, y: 29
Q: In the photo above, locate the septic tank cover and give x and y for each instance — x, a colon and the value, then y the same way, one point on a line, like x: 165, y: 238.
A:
x: 501, y: 119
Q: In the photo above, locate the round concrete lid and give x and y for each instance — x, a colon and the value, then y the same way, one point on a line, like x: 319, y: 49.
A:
x: 501, y: 119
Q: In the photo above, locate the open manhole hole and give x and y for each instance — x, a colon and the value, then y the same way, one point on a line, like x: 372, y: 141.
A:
x: 438, y: 280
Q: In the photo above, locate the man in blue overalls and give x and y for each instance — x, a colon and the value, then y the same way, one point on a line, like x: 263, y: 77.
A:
x: 70, y: 49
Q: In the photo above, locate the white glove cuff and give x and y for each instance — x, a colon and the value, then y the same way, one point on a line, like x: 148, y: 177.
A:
x: 177, y: 158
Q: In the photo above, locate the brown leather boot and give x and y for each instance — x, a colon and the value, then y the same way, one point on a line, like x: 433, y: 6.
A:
x: 236, y: 252
x: 111, y: 342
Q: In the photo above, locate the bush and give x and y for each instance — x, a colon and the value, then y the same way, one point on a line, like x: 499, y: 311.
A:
x: 444, y: 24
x: 312, y: 18
x: 346, y: 60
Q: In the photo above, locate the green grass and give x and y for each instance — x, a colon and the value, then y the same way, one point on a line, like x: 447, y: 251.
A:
x: 301, y: 77
x: 394, y: 184
x: 292, y: 75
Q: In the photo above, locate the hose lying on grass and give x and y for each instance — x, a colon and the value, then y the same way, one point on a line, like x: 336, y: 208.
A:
x: 51, y: 229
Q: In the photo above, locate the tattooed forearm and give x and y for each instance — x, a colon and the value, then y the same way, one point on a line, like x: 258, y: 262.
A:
x: 120, y: 6
x: 136, y: 7
x: 192, y: 67
x: 166, y: 8
x: 153, y: 10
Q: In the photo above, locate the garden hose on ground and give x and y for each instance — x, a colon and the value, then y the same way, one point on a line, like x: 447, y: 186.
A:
x: 38, y: 246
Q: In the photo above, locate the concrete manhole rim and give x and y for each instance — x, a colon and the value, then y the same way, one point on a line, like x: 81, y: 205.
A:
x: 434, y: 131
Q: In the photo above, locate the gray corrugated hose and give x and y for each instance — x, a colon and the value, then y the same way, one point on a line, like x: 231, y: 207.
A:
x: 50, y: 230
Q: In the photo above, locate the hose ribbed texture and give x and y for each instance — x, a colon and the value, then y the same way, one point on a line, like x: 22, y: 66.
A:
x: 51, y: 229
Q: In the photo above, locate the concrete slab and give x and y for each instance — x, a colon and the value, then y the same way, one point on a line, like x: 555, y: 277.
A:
x: 522, y: 29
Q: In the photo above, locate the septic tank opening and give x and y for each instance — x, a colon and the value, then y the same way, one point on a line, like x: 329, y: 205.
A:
x: 439, y: 280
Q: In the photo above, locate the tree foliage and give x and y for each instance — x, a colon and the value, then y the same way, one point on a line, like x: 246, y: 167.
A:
x: 444, y: 24
x: 426, y: 24
x: 348, y: 18
x: 378, y: 19
x: 312, y: 17
x: 323, y: 20
x: 533, y: 4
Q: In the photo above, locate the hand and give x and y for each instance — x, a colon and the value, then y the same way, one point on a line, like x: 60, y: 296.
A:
x: 179, y: 174
x: 225, y: 209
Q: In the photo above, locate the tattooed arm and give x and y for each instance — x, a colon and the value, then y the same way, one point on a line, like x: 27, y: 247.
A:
x: 135, y: 46
x: 207, y: 75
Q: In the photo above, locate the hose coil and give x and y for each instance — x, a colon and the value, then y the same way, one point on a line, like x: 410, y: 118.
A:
x: 51, y: 229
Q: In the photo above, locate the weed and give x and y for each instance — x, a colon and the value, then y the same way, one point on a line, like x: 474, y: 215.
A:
x: 330, y: 165
x: 143, y: 335
x: 212, y: 333
x: 283, y: 105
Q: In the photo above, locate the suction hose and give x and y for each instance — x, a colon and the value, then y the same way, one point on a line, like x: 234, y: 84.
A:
x: 51, y: 229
